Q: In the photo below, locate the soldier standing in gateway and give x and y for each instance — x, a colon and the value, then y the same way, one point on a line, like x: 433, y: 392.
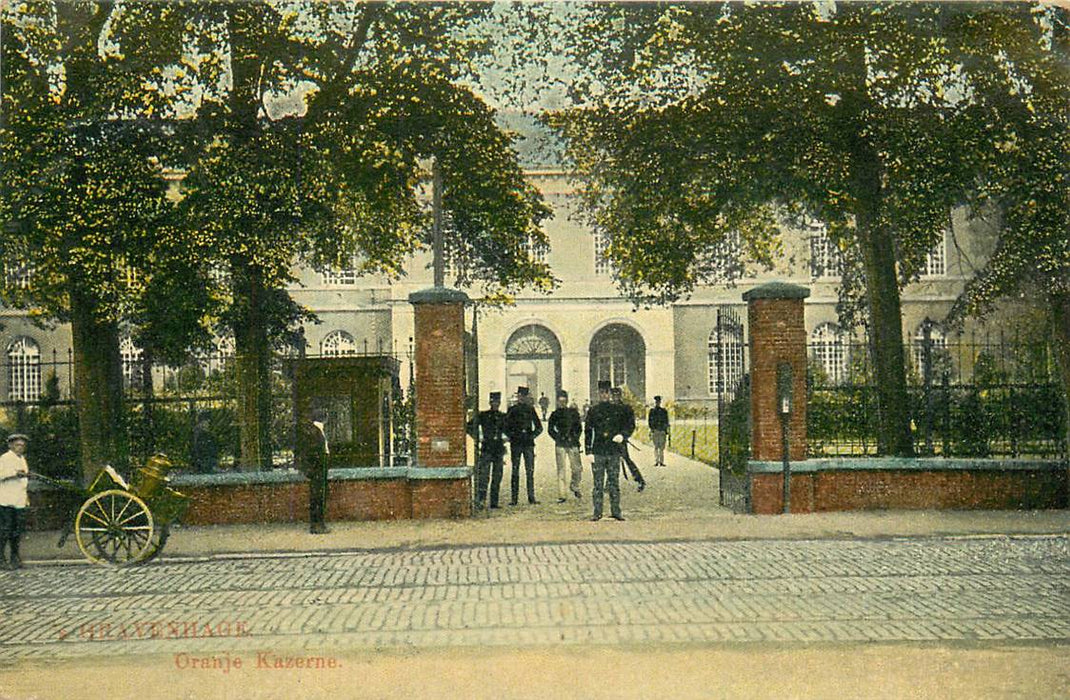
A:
x: 565, y: 428
x: 522, y: 426
x: 627, y: 422
x: 658, y: 422
x: 605, y: 433
x: 487, y: 428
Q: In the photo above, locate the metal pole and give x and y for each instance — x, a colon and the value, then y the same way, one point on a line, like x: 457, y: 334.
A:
x: 786, y: 454
x: 438, y: 262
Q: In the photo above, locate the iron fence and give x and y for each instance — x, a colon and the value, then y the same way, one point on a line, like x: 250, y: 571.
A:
x: 988, y: 397
x: 192, y: 413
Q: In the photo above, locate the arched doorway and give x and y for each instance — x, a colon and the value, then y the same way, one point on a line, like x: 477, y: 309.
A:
x: 618, y: 355
x: 533, y: 359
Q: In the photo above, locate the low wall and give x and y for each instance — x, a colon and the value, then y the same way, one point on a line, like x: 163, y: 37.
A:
x: 391, y: 493
x: 897, y: 483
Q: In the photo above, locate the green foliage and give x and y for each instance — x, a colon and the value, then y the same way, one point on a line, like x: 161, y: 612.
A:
x: 734, y: 431
x: 53, y: 433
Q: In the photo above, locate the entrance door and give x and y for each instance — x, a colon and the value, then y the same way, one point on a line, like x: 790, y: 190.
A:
x: 533, y: 359
x: 618, y: 356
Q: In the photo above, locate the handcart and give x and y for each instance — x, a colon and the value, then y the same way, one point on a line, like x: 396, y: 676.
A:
x: 119, y: 524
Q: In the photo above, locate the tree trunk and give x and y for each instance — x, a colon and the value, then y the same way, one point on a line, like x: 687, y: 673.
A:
x: 885, y: 312
x: 1060, y: 303
x: 98, y: 390
x: 253, y: 364
x: 148, y: 394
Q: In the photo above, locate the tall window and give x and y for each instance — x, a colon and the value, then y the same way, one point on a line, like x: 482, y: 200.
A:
x: 338, y: 343
x: 936, y: 259
x: 131, y: 356
x: 725, y: 353
x: 726, y: 259
x: 828, y: 347
x: 18, y: 275
x: 341, y: 276
x: 23, y: 370
x: 938, y: 353
x: 825, y: 260
x: 222, y: 353
x: 611, y: 363
x: 538, y: 251
x: 602, y: 265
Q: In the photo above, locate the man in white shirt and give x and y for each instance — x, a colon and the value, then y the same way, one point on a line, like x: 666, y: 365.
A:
x: 14, y: 498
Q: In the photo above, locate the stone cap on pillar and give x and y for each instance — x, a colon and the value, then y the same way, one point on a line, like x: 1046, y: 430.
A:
x: 777, y: 290
x: 438, y: 295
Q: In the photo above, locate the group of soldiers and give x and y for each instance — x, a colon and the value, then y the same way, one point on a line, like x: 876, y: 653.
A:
x: 604, y: 431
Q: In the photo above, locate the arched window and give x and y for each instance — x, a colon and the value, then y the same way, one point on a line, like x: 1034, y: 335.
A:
x: 828, y: 347
x: 725, y: 356
x: 221, y: 354
x: 338, y: 343
x: 131, y: 356
x: 23, y: 370
x: 938, y: 353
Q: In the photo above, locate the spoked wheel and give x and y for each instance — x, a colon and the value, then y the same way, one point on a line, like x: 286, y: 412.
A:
x: 114, y: 528
x: 159, y: 539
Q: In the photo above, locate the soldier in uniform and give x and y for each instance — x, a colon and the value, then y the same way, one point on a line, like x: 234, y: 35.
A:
x: 627, y: 421
x: 658, y: 422
x: 522, y: 425
x: 565, y: 428
x: 605, y: 432
x: 312, y: 455
x: 487, y: 428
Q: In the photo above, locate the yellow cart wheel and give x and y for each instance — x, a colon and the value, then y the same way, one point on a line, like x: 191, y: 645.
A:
x: 114, y: 528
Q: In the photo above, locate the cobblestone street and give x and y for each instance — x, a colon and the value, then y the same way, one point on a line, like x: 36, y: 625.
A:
x: 921, y: 590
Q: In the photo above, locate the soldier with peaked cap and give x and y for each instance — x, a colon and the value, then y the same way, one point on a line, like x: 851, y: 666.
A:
x: 522, y: 425
x: 658, y: 422
x: 627, y: 421
x: 488, y: 429
x: 605, y: 432
x: 14, y: 498
x: 565, y: 427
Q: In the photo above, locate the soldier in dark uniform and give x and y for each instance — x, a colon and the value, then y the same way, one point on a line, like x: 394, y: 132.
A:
x: 658, y: 422
x: 627, y: 420
x: 605, y: 432
x: 487, y: 427
x: 522, y: 425
x: 312, y: 455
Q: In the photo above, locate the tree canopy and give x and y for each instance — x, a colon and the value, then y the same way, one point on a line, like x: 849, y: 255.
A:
x: 717, y: 120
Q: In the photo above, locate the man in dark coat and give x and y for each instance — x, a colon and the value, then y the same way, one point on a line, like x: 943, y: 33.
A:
x: 658, y: 422
x: 604, y: 434
x: 627, y: 420
x: 565, y: 428
x: 487, y: 428
x: 312, y: 456
x: 522, y: 425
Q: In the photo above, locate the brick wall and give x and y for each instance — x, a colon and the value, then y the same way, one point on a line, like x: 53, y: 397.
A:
x: 957, y: 489
x: 777, y: 334
x: 287, y: 502
x: 440, y: 411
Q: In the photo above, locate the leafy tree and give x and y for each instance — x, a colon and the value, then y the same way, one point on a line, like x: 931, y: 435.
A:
x: 1017, y: 61
x: 714, y: 120
x: 82, y: 200
x: 303, y: 130
x: 337, y: 175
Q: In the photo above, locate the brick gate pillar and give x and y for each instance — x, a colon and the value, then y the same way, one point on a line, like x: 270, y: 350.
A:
x: 777, y: 335
x: 440, y: 385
